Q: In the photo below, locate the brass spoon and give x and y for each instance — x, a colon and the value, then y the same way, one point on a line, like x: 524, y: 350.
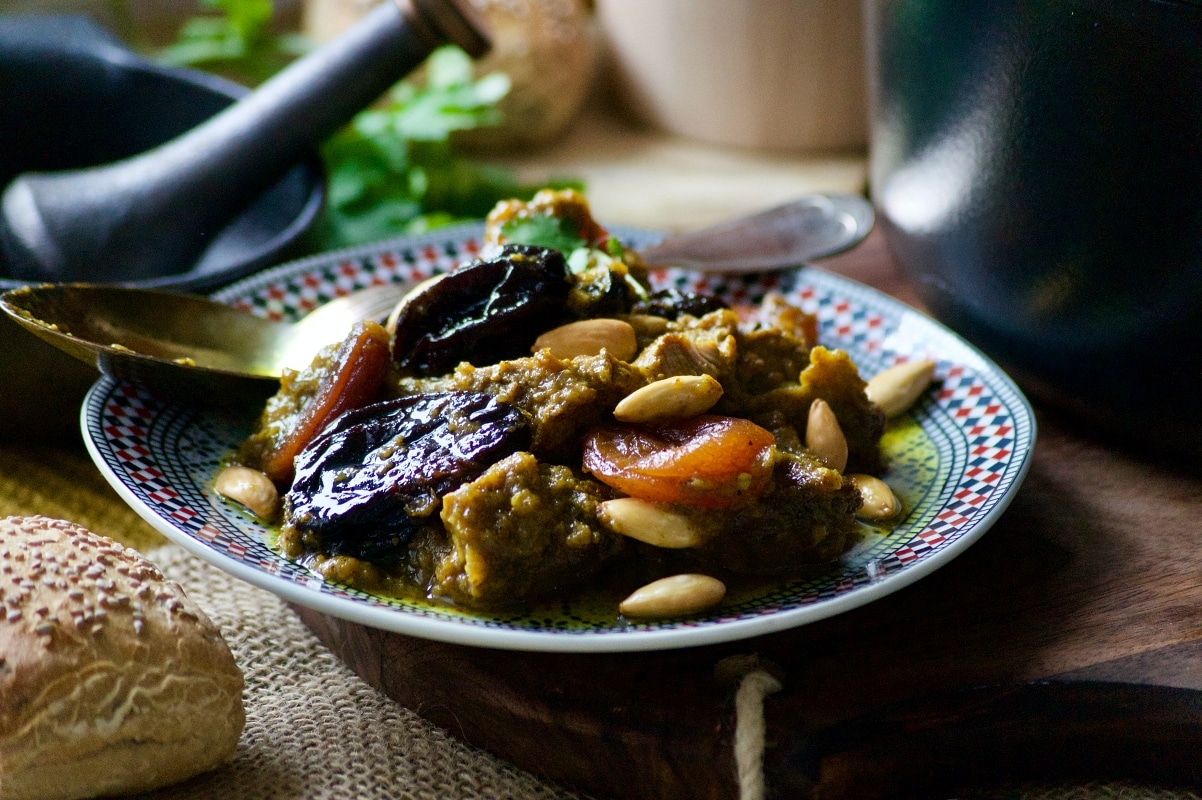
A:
x: 186, y: 345
x: 202, y: 349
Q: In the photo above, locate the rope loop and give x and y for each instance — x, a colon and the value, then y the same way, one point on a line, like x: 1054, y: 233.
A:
x: 755, y: 683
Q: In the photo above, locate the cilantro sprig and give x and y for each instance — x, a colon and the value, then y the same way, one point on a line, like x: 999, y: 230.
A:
x: 236, y: 39
x: 394, y: 170
x: 542, y: 230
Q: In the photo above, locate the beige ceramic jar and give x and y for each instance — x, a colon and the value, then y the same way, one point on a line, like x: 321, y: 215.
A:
x: 776, y: 74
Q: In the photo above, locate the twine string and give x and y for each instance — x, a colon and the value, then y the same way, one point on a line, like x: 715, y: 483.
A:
x: 754, y: 685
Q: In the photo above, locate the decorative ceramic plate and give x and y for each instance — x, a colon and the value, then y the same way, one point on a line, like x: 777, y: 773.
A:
x: 955, y: 460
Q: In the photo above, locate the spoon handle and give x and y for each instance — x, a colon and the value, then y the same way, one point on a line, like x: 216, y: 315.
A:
x: 126, y: 220
x: 779, y: 238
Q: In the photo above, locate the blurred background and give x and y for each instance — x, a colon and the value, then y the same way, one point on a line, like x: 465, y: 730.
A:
x: 774, y: 85
x: 670, y: 115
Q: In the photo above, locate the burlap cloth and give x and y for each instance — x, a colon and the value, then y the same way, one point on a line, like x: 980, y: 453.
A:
x: 313, y: 728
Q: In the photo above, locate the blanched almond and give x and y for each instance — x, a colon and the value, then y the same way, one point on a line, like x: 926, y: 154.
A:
x: 589, y: 337
x: 824, y: 436
x: 251, y: 488
x: 679, y: 397
x: 896, y: 388
x: 880, y: 503
x: 649, y: 523
x: 674, y: 596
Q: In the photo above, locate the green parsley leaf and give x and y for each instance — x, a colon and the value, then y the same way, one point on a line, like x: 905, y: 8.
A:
x: 544, y: 231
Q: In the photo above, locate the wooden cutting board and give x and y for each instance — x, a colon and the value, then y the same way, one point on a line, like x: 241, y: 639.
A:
x: 1065, y: 644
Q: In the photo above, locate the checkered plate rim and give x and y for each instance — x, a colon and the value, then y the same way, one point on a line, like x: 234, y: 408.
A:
x: 161, y: 457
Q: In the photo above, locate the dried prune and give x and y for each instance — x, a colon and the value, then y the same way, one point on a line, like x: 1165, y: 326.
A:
x: 672, y: 303
x: 484, y: 312
x: 371, y: 478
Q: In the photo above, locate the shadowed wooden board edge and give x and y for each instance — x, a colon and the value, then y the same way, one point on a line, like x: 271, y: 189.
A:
x: 635, y: 736
x: 592, y: 723
x: 1054, y: 731
x: 1063, y: 645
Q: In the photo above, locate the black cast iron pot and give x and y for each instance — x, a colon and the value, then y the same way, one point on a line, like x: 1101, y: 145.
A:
x: 1037, y: 169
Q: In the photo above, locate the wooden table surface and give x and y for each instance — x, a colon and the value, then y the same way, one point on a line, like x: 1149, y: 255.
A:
x: 1065, y: 644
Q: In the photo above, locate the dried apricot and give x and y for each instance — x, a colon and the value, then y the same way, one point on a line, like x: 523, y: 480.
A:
x: 708, y: 460
x: 359, y: 369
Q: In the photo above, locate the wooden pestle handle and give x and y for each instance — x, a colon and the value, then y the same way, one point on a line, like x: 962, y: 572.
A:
x: 155, y: 213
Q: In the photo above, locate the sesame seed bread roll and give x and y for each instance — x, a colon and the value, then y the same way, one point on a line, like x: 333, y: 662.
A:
x: 111, y: 681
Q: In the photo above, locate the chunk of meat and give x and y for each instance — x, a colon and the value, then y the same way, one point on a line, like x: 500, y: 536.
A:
x: 520, y: 530
x: 693, y: 346
x: 563, y: 398
x: 832, y: 376
x: 807, y: 519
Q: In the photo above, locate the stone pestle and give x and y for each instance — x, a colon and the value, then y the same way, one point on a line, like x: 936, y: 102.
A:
x: 155, y: 213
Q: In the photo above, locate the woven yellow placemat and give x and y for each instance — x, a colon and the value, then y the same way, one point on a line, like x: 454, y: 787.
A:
x: 314, y: 729
x: 64, y: 483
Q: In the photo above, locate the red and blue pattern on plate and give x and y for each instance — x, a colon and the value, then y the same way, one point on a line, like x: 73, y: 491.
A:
x: 955, y: 459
